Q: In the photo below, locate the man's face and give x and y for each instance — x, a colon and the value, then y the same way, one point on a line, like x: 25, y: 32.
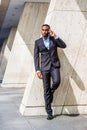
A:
x: 45, y: 31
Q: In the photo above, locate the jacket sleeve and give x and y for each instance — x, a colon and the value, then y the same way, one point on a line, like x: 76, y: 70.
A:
x: 60, y: 43
x: 36, y: 57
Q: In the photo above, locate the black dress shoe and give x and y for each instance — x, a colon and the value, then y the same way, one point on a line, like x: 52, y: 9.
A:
x: 49, y: 117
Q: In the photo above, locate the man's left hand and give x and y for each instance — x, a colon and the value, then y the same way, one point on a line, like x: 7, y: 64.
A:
x: 52, y: 33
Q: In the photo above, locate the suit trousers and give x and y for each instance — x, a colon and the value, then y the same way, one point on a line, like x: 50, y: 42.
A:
x: 49, y: 89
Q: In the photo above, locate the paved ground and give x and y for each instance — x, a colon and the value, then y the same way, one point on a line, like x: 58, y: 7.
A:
x: 11, y: 119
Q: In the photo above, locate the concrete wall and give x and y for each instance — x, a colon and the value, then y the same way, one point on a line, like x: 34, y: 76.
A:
x: 69, y: 20
x: 20, y: 62
x: 5, y: 52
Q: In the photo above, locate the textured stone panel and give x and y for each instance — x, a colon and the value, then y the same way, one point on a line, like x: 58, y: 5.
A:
x: 79, y: 87
x: 68, y: 5
x: 31, y: 21
x: 6, y: 52
x: 70, y: 23
x: 73, y: 110
x: 21, y: 59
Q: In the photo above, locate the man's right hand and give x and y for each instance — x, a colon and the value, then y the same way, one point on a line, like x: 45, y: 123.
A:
x: 39, y: 74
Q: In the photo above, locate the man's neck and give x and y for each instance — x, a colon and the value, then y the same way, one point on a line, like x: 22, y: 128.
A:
x: 45, y: 37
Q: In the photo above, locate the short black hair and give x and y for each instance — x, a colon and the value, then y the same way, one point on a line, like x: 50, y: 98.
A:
x: 46, y: 25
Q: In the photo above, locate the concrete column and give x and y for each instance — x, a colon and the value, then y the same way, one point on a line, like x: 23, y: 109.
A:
x: 6, y: 50
x: 1, y: 57
x: 20, y: 64
x: 69, y: 20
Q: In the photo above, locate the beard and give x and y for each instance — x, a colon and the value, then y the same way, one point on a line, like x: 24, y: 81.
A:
x: 45, y: 35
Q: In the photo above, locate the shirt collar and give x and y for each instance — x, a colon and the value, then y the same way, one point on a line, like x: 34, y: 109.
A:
x: 48, y: 38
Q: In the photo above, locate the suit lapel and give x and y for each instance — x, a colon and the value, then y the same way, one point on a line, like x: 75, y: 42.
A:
x: 51, y: 43
x: 42, y: 43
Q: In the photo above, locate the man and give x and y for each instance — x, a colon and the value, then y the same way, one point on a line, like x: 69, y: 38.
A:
x: 49, y: 65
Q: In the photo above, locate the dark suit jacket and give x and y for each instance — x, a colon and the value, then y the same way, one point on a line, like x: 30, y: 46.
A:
x: 48, y: 57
